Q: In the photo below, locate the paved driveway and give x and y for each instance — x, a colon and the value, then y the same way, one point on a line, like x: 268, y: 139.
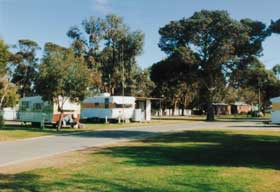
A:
x: 14, y: 152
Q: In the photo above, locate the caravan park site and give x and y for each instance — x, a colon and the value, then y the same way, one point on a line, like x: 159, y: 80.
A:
x: 139, y: 96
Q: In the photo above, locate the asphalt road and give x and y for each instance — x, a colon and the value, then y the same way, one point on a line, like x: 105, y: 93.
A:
x: 13, y: 152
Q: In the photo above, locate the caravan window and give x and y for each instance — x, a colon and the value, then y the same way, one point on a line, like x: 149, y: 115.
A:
x: 123, y: 105
x: 24, y: 105
x: 127, y: 105
x: 106, y: 103
x: 37, y: 106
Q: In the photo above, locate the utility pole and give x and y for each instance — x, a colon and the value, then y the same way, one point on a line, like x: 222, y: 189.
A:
x: 160, y: 112
x: 122, y: 58
x: 259, y: 96
x: 259, y: 100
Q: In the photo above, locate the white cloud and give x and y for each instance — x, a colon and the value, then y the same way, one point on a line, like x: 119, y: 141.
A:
x: 102, y: 6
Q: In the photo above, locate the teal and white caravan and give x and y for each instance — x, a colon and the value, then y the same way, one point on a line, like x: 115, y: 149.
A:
x: 36, y: 111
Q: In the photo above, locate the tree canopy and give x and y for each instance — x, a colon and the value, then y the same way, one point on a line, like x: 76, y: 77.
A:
x: 4, y: 57
x: 216, y: 46
x: 110, y: 50
x: 62, y: 76
x: 24, y: 66
x: 275, y: 26
x: 8, y: 95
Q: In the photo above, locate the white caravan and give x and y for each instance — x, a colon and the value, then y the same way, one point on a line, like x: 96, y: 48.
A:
x: 35, y: 110
x: 9, y: 113
x: 275, y: 110
x: 108, y: 107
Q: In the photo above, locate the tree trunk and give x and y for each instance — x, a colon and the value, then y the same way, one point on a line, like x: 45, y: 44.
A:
x: 112, y: 90
x: 210, y: 112
x: 60, y: 121
x: 183, y: 111
x: 4, y: 95
x: 184, y: 105
x: 174, y: 107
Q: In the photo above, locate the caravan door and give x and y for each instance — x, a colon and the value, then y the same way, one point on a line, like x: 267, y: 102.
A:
x: 142, y: 105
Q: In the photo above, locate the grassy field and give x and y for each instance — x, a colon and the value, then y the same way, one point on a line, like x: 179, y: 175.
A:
x: 12, y: 131
x: 221, y: 117
x: 193, y: 161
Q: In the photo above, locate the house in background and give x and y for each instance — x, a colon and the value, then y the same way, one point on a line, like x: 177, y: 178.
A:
x: 240, y: 107
x: 232, y: 109
x: 170, y: 112
x: 222, y: 109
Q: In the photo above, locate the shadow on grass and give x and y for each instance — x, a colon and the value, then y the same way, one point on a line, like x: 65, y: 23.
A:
x: 256, y: 126
x: 239, y: 120
x: 18, y: 127
x: 205, y: 148
x: 199, y: 148
x: 77, y: 182
x: 115, y: 134
x: 19, y: 182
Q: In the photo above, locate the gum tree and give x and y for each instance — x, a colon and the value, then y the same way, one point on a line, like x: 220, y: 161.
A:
x: 24, y: 66
x: 220, y: 45
x: 62, y: 76
x: 110, y: 50
x: 4, y: 81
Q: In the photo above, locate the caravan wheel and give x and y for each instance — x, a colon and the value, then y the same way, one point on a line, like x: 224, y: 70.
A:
x: 54, y: 125
x: 35, y: 124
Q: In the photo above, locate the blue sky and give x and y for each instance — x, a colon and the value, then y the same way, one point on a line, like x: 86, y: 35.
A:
x: 49, y: 20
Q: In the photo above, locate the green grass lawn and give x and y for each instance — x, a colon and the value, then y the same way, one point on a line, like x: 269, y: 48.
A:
x: 192, y: 161
x: 12, y: 131
x: 230, y: 117
x: 217, y: 117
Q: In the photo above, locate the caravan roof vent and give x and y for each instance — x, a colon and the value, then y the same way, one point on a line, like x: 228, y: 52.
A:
x: 105, y: 94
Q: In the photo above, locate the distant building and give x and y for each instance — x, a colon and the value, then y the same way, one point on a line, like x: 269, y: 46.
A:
x: 240, y: 107
x: 222, y: 109
x: 172, y: 112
